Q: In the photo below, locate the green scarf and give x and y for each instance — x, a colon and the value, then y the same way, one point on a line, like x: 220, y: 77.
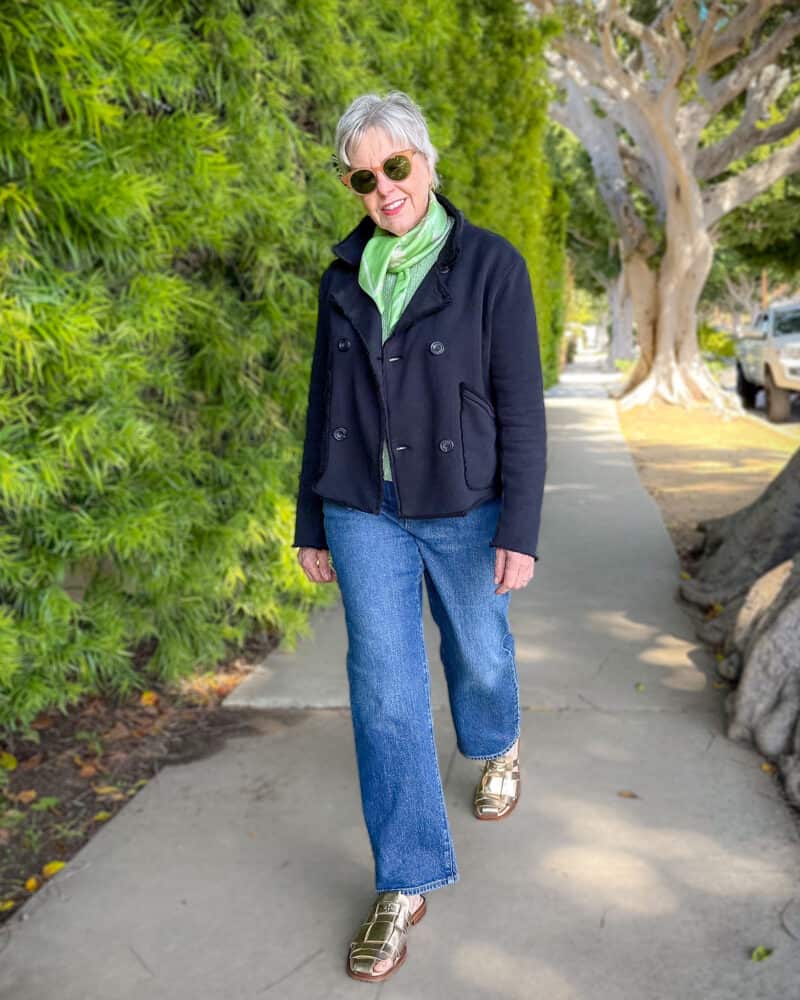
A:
x: 398, y: 254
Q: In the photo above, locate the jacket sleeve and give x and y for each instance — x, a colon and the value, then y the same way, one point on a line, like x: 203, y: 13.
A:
x: 309, y: 525
x: 516, y: 378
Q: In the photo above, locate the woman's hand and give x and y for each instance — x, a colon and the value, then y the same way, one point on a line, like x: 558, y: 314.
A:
x: 512, y: 570
x: 316, y: 564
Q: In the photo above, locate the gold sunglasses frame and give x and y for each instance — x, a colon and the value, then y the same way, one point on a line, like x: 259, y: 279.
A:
x: 345, y: 178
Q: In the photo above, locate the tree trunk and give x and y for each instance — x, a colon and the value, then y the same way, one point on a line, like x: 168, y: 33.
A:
x: 738, y: 549
x: 670, y: 365
x: 748, y: 578
x: 621, y: 303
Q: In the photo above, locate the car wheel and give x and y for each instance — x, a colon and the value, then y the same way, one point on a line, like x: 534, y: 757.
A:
x: 778, y: 400
x: 746, y: 389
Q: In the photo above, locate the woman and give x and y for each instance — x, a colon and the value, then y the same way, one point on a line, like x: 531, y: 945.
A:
x: 424, y: 457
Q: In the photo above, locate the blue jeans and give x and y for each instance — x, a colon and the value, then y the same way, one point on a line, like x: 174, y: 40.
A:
x: 380, y: 560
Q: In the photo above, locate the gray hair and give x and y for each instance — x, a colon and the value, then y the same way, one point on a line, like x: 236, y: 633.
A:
x: 397, y: 114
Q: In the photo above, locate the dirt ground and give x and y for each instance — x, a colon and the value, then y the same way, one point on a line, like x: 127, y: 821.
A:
x: 88, y: 761
x: 697, y: 465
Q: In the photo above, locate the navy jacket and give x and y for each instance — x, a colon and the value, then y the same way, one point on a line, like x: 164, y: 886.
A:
x: 456, y: 390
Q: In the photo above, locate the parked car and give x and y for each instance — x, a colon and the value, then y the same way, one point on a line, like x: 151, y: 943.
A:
x: 768, y: 357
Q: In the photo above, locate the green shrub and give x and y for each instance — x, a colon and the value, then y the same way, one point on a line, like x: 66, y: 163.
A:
x: 168, y: 207
x: 714, y: 341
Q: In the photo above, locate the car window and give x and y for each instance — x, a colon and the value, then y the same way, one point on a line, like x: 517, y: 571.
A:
x: 787, y: 321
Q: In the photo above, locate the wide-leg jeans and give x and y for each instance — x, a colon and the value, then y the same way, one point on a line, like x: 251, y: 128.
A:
x: 380, y: 561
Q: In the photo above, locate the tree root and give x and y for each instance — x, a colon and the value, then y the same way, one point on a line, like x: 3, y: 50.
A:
x: 748, y: 575
x: 738, y: 549
x: 681, y: 386
x: 765, y: 706
x: 763, y: 655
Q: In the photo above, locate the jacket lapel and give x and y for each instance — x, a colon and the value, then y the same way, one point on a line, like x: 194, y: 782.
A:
x: 363, y: 315
x: 431, y: 296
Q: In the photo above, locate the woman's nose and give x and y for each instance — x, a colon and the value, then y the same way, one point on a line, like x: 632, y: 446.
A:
x: 384, y: 185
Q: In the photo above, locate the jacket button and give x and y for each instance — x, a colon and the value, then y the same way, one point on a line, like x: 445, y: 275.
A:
x: 340, y: 433
x: 437, y: 347
x: 446, y: 445
x: 344, y: 344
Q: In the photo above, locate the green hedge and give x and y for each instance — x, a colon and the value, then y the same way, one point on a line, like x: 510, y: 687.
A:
x: 168, y: 206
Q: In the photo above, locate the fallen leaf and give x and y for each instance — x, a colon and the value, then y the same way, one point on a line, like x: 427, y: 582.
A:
x: 88, y: 771
x: 685, y: 575
x: 32, y: 884
x: 7, y: 904
x: 639, y: 686
x: 31, y: 762
x: 102, y: 816
x: 52, y: 867
x: 119, y: 731
x: 768, y: 768
x: 760, y: 953
x: 625, y: 794
x: 8, y: 761
x: 148, y: 698
x: 27, y: 795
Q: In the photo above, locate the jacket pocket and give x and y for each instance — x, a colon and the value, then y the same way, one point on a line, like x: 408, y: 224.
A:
x: 478, y: 439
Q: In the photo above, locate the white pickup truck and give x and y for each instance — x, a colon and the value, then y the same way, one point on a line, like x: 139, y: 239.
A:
x: 768, y: 357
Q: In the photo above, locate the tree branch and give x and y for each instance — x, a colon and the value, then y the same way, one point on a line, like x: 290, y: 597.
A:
x: 720, y: 94
x: 580, y: 238
x: 599, y: 138
x: 705, y: 34
x: 725, y: 197
x: 625, y: 79
x: 627, y: 116
x: 729, y: 40
x: 643, y: 33
x: 640, y: 170
x: 713, y: 160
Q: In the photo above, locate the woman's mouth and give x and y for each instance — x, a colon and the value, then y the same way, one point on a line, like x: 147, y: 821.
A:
x: 393, y: 207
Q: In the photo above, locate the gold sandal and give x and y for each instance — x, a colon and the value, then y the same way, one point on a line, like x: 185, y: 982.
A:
x: 384, y: 934
x: 499, y: 787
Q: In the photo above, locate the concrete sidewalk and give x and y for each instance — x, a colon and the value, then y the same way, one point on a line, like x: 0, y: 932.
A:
x: 243, y: 875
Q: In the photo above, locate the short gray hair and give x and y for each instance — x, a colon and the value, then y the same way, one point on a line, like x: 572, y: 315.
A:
x: 397, y: 114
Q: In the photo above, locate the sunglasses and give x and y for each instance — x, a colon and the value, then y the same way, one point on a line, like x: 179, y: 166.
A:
x: 396, y: 167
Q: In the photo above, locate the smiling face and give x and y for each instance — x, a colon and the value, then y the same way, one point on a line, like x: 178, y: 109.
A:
x: 395, y: 206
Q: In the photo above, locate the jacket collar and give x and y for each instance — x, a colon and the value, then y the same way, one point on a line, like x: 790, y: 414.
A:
x: 352, y: 246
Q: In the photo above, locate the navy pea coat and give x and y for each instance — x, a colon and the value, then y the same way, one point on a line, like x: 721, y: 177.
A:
x: 456, y: 391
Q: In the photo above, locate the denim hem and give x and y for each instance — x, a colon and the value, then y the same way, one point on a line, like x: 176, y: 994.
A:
x: 484, y: 756
x: 414, y: 890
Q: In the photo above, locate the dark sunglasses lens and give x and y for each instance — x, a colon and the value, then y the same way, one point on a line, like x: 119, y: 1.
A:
x: 397, y: 168
x: 363, y: 181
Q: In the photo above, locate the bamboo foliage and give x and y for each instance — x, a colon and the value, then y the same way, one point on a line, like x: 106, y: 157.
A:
x: 167, y: 206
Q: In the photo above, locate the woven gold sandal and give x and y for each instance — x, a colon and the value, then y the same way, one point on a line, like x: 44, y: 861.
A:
x: 499, y: 787
x: 384, y: 934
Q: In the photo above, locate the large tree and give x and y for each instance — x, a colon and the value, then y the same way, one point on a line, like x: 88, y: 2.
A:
x: 687, y: 112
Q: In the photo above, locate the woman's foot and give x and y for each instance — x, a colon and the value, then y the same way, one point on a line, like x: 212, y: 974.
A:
x: 380, y: 945
x: 498, y: 790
